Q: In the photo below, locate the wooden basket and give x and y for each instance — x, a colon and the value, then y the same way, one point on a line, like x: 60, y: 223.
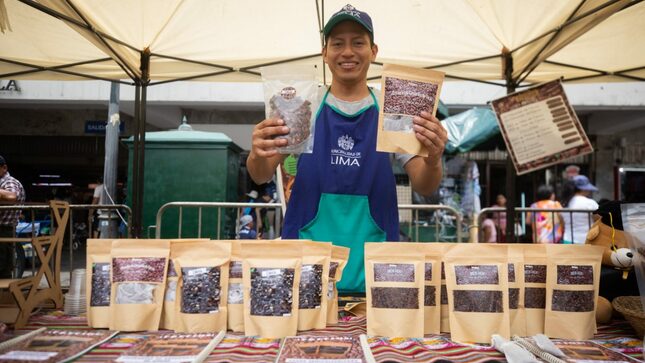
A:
x: 632, y: 310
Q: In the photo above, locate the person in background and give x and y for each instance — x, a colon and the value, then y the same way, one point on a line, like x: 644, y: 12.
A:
x: 347, y: 204
x: 577, y: 224
x: 488, y: 228
x: 548, y: 227
x: 246, y: 228
x: 11, y: 192
x: 500, y: 217
x: 251, y: 211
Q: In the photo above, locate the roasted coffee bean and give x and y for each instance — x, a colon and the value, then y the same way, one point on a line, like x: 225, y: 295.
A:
x: 535, y: 274
x: 395, y: 297
x: 573, y: 301
x: 511, y: 272
x: 444, y: 295
x: 513, y: 298
x: 235, y: 270
x: 478, y: 301
x: 394, y: 272
x: 534, y: 297
x: 200, y: 291
x: 272, y: 291
x: 429, y: 296
x: 575, y: 275
x: 408, y: 97
x: 148, y: 269
x: 296, y: 114
x: 333, y: 266
x: 477, y: 275
x: 101, y: 286
x: 310, y: 294
x: 428, y: 271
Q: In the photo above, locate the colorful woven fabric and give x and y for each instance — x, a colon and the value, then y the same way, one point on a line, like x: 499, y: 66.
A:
x: 236, y: 348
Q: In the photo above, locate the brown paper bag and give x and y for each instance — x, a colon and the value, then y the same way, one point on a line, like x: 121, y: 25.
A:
x: 534, y: 287
x: 339, y: 257
x: 235, y: 290
x: 314, y: 279
x: 97, y: 284
x: 394, y: 274
x: 432, y: 289
x: 168, y: 313
x: 405, y: 92
x: 138, y: 276
x: 477, y: 283
x: 202, y: 290
x: 441, y: 249
x: 516, y: 288
x: 271, y: 275
x: 573, y: 276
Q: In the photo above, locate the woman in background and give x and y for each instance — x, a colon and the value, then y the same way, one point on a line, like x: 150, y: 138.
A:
x: 548, y: 227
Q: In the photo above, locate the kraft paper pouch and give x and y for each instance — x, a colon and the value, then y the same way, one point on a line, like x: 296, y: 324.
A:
x: 432, y: 290
x: 394, y: 285
x: 441, y: 249
x: 515, y: 288
x: 477, y: 282
x: 202, y: 290
x: 138, y: 283
x: 168, y: 312
x: 405, y: 93
x: 573, y: 275
x: 314, y: 279
x: 97, y: 284
x: 339, y: 257
x: 235, y: 290
x: 271, y: 275
x: 534, y: 269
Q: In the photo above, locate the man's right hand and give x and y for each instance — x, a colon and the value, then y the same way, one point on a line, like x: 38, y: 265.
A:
x: 264, y: 142
x: 264, y: 156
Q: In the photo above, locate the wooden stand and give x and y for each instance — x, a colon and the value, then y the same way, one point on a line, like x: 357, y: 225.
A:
x: 26, y: 292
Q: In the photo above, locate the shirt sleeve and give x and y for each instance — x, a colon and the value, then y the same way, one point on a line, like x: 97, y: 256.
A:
x: 403, y: 159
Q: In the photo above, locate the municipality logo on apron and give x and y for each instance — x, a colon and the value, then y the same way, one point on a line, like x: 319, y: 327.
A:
x: 344, y: 156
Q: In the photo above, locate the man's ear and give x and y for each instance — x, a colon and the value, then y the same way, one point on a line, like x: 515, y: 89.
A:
x: 324, y: 54
x: 374, y: 51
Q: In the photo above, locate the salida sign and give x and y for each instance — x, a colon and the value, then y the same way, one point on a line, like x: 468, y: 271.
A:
x: 10, y: 85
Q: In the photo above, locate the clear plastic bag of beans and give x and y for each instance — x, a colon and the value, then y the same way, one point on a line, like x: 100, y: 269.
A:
x: 291, y: 94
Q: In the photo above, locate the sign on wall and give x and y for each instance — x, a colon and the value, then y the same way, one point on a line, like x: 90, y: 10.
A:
x: 97, y: 127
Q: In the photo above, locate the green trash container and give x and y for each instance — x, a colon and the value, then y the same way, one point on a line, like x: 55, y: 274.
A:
x: 188, y: 166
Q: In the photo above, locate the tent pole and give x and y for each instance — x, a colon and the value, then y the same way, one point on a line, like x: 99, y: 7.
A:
x: 142, y: 158
x: 507, y: 65
x: 136, y: 217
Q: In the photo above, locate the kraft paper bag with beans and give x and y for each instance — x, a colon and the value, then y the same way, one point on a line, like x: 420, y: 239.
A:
x: 202, y: 289
x: 432, y: 289
x: 477, y: 284
x: 394, y: 285
x: 534, y: 268
x: 573, y: 275
x: 98, y: 285
x: 515, y: 288
x: 405, y: 93
x: 168, y: 312
x: 271, y: 275
x: 139, y: 270
x: 314, y: 280
x: 339, y: 257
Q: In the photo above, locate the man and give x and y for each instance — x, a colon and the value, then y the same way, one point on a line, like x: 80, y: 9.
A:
x: 246, y: 228
x: 11, y: 192
x: 97, y: 198
x: 347, y: 204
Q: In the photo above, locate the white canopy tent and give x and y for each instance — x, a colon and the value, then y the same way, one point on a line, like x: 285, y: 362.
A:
x: 148, y: 42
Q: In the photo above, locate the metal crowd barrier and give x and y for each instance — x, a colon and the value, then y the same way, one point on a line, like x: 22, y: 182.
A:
x: 497, y: 212
x: 452, y: 219
x: 33, y: 208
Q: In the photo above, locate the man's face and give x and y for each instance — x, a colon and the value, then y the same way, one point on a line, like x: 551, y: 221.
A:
x: 3, y: 170
x: 348, y: 52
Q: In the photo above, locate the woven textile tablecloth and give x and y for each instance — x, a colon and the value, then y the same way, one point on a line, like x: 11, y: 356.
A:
x: 433, y: 348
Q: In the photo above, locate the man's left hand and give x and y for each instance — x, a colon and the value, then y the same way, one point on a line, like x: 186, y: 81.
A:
x: 431, y: 134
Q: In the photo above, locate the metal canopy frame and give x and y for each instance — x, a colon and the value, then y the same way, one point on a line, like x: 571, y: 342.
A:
x: 142, y: 81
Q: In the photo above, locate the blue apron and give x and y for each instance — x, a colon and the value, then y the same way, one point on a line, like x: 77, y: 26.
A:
x: 345, y: 190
